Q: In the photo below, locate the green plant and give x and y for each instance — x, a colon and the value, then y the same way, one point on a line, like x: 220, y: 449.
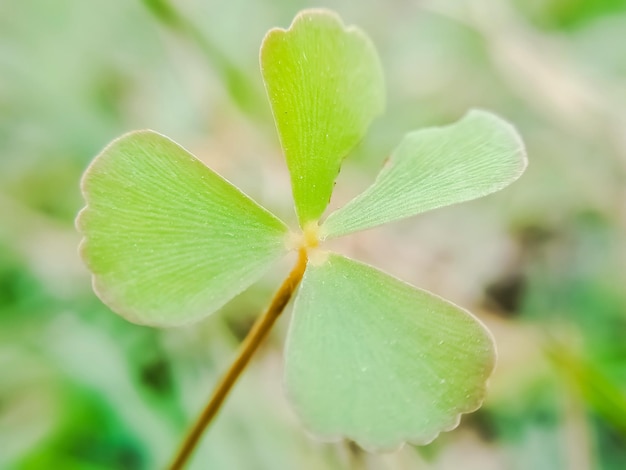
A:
x: 367, y: 357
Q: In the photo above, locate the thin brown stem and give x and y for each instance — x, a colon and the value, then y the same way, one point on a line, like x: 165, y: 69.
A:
x: 250, y: 344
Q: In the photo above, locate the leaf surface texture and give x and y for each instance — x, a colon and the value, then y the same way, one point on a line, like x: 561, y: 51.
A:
x: 167, y: 239
x: 375, y: 360
x: 436, y: 167
x: 325, y: 85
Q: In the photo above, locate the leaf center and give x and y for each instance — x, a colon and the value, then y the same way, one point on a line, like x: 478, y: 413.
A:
x: 307, y: 239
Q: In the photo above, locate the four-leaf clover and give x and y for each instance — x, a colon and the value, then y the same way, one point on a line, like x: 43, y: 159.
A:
x: 368, y: 357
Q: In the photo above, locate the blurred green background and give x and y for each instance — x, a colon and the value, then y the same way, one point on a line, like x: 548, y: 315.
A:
x: 542, y: 263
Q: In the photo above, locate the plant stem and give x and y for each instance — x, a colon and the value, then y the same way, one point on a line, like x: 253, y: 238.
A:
x: 250, y: 344
x: 239, y: 86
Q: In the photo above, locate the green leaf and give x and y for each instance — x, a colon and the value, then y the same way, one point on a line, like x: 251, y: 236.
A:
x: 167, y: 239
x: 435, y: 167
x: 325, y: 84
x: 378, y: 361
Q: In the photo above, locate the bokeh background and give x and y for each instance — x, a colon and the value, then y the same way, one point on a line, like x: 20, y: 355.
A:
x: 542, y: 262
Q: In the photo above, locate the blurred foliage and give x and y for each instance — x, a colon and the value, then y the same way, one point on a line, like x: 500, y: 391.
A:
x: 541, y: 263
x: 569, y: 14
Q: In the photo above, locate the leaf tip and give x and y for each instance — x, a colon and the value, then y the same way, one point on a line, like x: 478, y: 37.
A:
x: 511, y: 130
